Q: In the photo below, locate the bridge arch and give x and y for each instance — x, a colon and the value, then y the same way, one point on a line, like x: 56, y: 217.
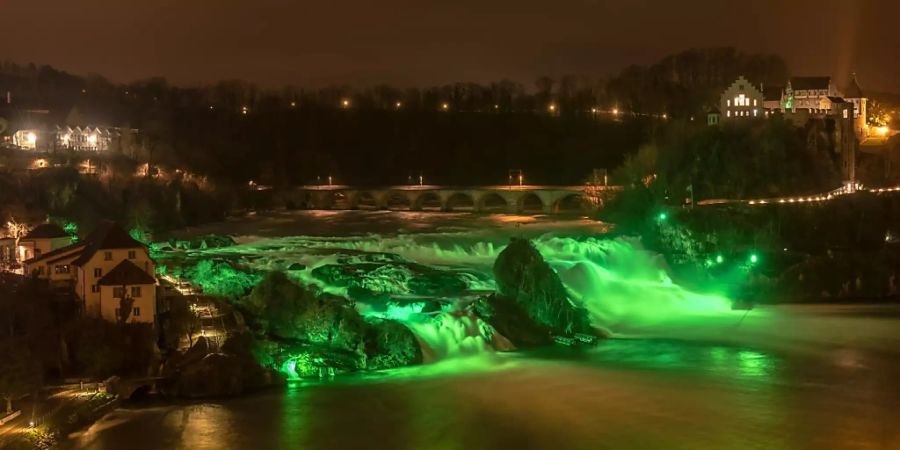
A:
x: 428, y: 201
x: 491, y: 202
x: 574, y: 203
x: 397, y: 201
x: 460, y: 201
x: 367, y: 200
x: 530, y: 203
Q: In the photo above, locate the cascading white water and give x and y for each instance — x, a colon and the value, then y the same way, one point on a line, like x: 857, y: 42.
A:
x: 622, y: 285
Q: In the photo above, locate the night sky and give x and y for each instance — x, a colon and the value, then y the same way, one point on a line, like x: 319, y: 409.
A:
x: 420, y: 42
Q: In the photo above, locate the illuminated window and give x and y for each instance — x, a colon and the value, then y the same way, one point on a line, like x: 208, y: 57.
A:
x: 727, y: 102
x: 754, y: 113
x: 845, y: 113
x: 754, y: 102
x: 728, y: 113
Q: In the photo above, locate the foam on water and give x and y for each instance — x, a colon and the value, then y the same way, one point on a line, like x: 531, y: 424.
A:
x: 623, y: 285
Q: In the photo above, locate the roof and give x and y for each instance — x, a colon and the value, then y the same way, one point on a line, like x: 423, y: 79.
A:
x: 837, y: 99
x: 126, y: 273
x: 57, y: 252
x: 46, y: 231
x: 714, y: 110
x: 772, y: 93
x: 853, y: 90
x: 105, y: 237
x: 806, y: 83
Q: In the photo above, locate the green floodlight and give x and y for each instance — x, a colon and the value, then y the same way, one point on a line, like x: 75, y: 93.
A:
x: 754, y: 258
x: 662, y: 216
x: 720, y: 259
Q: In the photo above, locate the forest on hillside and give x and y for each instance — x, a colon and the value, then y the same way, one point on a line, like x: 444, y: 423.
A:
x: 556, y: 131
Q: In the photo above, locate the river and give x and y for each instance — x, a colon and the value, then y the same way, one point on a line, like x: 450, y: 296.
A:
x: 682, y: 371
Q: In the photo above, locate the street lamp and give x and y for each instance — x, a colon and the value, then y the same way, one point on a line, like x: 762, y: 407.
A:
x: 445, y: 106
x: 552, y: 108
x: 398, y: 105
x: 345, y: 103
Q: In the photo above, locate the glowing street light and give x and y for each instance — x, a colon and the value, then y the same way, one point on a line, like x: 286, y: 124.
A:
x: 551, y: 107
x: 345, y: 103
x: 244, y: 110
x: 445, y: 106
x: 31, y: 138
x: 615, y: 111
x: 293, y: 104
x: 398, y: 105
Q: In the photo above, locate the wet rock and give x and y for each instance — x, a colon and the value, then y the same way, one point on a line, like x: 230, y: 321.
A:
x: 393, y: 278
x: 509, y: 319
x: 390, y: 344
x: 523, y: 276
x: 217, y: 374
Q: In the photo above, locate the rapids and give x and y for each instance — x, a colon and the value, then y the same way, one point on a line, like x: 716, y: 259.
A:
x: 625, y: 287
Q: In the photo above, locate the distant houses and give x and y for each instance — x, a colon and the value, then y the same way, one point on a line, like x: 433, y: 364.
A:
x: 106, y: 270
x: 801, y: 99
x: 91, y: 139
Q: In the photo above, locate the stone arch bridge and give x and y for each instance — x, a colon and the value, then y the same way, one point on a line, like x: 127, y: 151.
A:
x: 495, y: 199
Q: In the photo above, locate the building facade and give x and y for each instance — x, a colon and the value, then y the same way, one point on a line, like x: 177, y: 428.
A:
x: 88, y: 139
x: 103, y: 269
x: 42, y: 239
x: 741, y: 100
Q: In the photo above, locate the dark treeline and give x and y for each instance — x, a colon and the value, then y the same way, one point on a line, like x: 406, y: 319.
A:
x: 462, y: 133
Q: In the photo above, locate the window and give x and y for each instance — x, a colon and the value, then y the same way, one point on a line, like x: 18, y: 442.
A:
x: 728, y: 113
x: 135, y: 291
x: 754, y: 112
x: 136, y: 312
x: 61, y: 269
x: 754, y: 102
x: 107, y: 256
x: 98, y: 272
x: 132, y: 254
x: 845, y: 113
x: 118, y: 292
x: 727, y: 102
x: 95, y: 288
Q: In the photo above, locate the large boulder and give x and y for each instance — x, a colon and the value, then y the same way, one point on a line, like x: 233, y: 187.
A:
x: 510, y: 320
x: 390, y: 344
x: 523, y: 276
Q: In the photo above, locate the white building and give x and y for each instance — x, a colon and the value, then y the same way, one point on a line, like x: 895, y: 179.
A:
x: 741, y: 100
x: 42, y: 239
x: 104, y: 268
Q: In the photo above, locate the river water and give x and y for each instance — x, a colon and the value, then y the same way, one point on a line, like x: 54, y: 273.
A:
x: 683, y: 371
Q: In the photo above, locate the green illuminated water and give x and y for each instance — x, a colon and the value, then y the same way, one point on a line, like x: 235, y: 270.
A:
x: 684, y: 371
